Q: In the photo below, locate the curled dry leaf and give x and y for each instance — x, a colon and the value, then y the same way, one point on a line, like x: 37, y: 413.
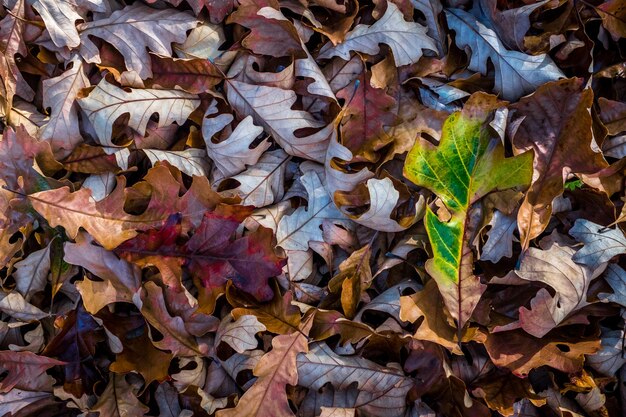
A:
x: 392, y: 30
x: 106, y: 103
x: 171, y: 244
x: 512, y: 80
x: 274, y: 371
x: 133, y: 31
x: 379, y: 387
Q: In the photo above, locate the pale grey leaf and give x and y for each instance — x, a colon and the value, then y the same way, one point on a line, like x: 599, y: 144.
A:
x: 406, y: 39
x: 500, y: 241
x: 516, y: 73
x: 106, y: 103
x: 135, y: 30
x: 601, y: 243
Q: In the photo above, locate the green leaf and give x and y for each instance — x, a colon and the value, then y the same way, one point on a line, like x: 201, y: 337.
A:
x: 468, y: 164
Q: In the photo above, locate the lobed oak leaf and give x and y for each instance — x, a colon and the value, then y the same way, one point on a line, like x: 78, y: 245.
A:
x: 296, y: 230
x: 613, y: 14
x: 554, y: 265
x: 32, y: 272
x: 203, y: 42
x: 511, y: 24
x: 119, y: 279
x: 378, y: 386
x: 89, y: 159
x: 601, y: 244
x: 133, y: 31
x: 175, y: 337
x: 262, y: 184
x: 610, y: 358
x: 109, y: 223
x: 13, y: 304
x: 12, y: 28
x: 191, y: 161
x: 119, y: 400
x: 138, y: 354
x: 239, y: 334
x: 24, y: 370
x: 270, y: 107
x: 17, y: 399
x: 232, y: 154
x: 353, y: 279
x: 274, y: 371
x: 616, y: 278
x: 500, y: 238
x: 62, y: 130
x: 465, y: 166
x: 613, y: 115
x: 106, y: 103
x: 218, y: 9
x: 392, y: 30
x: 520, y: 352
x: 363, y: 119
x: 278, y: 316
x: 211, y: 255
x: 553, y: 121
x: 513, y: 79
x: 60, y: 18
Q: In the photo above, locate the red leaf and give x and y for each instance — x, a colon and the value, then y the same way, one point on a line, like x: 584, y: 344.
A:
x: 213, y: 255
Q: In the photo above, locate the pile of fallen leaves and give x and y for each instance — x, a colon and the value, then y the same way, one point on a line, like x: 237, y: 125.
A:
x: 273, y: 208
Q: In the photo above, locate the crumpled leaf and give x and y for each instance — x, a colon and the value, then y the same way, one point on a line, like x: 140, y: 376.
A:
x: 466, y: 166
x: 232, y: 154
x: 62, y: 129
x: 106, y: 103
x: 133, y: 31
x: 406, y: 39
x: 553, y: 265
x: 516, y: 73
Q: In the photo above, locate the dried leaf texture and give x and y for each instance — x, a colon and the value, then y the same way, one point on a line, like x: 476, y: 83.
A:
x: 321, y: 208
